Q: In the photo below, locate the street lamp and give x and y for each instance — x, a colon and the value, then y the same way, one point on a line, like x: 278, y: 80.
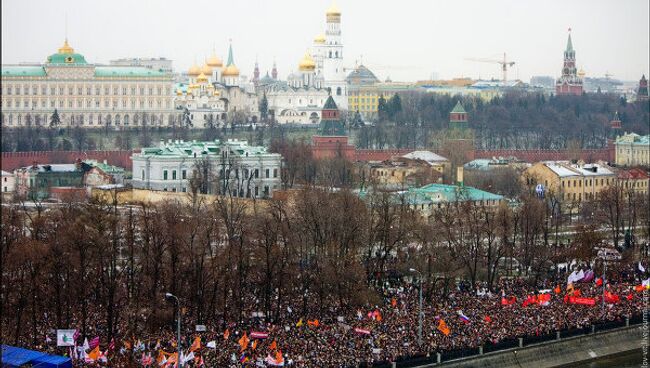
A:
x: 420, y: 317
x: 178, y: 327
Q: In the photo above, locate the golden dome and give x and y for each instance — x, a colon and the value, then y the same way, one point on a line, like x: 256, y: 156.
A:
x: 307, y: 64
x: 194, y: 70
x: 581, y: 73
x: 230, y: 71
x: 179, y: 92
x: 206, y: 69
x: 214, y: 61
x: 66, y: 49
x: 333, y: 10
x: 320, y: 38
x: 202, y: 78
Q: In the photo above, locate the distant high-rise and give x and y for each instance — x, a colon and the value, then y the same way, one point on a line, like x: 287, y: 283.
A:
x: 570, y: 82
x: 642, y: 93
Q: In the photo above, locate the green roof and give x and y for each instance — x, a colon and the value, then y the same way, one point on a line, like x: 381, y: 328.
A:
x: 459, y: 108
x: 452, y: 193
x: 67, y: 59
x: 330, y: 104
x: 23, y: 71
x: 569, y: 44
x: 124, y: 71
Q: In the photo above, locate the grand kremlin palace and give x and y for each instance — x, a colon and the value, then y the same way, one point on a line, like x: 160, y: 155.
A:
x: 85, y: 94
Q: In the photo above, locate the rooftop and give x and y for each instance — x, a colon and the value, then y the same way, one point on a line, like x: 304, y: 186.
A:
x: 440, y: 193
x: 566, y: 169
x: 634, y: 138
x: 427, y: 156
x: 179, y: 148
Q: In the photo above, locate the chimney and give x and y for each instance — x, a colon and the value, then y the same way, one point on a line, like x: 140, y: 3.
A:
x: 459, y: 176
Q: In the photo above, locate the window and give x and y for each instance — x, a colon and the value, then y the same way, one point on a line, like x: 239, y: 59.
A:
x: 164, y: 174
x: 142, y: 174
x: 173, y: 174
x: 184, y: 175
x: 257, y: 173
x: 267, y: 173
x: 275, y: 173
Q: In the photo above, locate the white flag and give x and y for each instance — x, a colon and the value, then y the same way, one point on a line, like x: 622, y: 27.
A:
x: 212, y: 344
x: 86, y: 346
x: 641, y: 268
x: 65, y: 337
x: 188, y: 357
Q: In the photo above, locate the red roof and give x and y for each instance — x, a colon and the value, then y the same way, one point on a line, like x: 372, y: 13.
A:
x: 632, y: 174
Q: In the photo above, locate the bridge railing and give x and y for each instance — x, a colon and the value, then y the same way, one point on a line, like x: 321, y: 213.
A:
x: 448, y: 355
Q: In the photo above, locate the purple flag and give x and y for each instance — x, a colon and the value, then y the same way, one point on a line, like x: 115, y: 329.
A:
x: 589, y: 276
x: 94, y: 343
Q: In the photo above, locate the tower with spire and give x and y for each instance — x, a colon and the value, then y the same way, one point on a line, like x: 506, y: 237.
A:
x: 642, y: 92
x: 570, y: 83
x: 458, y: 117
x: 274, y: 71
x: 230, y: 73
x: 615, y: 126
x: 256, y: 73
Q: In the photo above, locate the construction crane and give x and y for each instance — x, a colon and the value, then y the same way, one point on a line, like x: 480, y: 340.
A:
x: 505, y: 64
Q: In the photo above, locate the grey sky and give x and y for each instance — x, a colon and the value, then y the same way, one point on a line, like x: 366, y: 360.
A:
x: 406, y: 39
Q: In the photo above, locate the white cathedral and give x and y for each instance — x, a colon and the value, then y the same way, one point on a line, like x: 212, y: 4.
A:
x: 320, y: 73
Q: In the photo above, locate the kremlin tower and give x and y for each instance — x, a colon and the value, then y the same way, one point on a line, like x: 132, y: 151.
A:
x: 274, y: 72
x: 458, y: 117
x: 615, y: 126
x: 569, y: 83
x: 642, y: 93
x: 256, y: 73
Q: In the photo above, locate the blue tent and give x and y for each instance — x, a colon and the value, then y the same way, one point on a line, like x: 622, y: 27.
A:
x: 17, y: 357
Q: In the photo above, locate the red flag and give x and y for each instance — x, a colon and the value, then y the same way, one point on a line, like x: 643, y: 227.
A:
x: 557, y: 289
x: 582, y: 301
x: 487, y: 319
x: 274, y: 345
x: 226, y: 334
x: 611, y: 298
x: 530, y: 300
x: 630, y: 296
x: 599, y: 282
x: 508, y: 301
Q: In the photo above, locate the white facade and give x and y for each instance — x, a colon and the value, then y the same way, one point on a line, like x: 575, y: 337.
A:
x: 8, y: 182
x: 85, y: 95
x: 232, y: 167
x: 329, y: 58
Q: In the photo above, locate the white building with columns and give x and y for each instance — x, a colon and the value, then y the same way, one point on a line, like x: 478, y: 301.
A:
x: 85, y: 94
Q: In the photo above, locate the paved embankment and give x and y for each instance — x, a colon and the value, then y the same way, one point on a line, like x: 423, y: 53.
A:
x: 554, y: 354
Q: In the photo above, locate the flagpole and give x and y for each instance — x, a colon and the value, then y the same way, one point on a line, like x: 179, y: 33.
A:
x: 178, y: 328
x: 420, y: 313
x: 604, y: 284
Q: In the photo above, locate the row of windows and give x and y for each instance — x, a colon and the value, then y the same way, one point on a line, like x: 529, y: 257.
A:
x: 245, y: 172
x: 88, y: 103
x: 241, y: 193
x: 87, y: 119
x: 87, y: 90
x: 577, y: 183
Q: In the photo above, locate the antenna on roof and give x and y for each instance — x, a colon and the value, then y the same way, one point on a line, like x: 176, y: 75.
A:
x: 66, y: 26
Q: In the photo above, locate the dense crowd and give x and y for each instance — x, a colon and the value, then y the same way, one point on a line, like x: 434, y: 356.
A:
x: 383, y: 332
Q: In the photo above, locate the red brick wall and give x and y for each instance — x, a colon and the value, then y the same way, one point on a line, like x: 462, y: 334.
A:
x: 14, y: 160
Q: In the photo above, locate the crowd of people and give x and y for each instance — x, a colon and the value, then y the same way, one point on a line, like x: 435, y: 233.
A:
x: 467, y: 317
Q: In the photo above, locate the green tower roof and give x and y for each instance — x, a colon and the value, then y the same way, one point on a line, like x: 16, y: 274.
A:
x: 458, y: 108
x: 569, y: 44
x: 330, y: 104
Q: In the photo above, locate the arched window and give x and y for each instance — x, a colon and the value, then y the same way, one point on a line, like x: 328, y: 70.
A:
x: 338, y: 91
x: 117, y: 119
x: 330, y: 55
x: 336, y: 54
x: 126, y: 119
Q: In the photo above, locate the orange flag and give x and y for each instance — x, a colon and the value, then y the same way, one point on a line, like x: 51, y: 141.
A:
x: 243, y: 342
x: 279, y: 359
x: 393, y: 302
x: 378, y: 316
x: 127, y: 345
x: 314, y: 323
x: 557, y: 289
x: 254, y: 345
x: 442, y: 327
x: 196, y: 345
x: 274, y: 345
x: 94, y: 354
x: 226, y: 334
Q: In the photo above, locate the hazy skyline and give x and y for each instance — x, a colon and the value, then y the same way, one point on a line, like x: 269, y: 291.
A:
x: 407, y: 40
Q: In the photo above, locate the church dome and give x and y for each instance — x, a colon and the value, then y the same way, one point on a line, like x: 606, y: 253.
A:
x: 194, y: 70
x: 206, y: 69
x: 214, y: 61
x: 333, y: 10
x: 581, y: 73
x: 202, y: 78
x: 320, y: 39
x: 230, y: 71
x: 307, y: 64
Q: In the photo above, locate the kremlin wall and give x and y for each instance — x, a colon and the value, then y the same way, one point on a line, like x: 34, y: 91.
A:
x: 322, y: 148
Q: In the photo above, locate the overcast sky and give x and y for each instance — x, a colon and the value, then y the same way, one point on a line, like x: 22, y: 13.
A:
x: 404, y: 39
